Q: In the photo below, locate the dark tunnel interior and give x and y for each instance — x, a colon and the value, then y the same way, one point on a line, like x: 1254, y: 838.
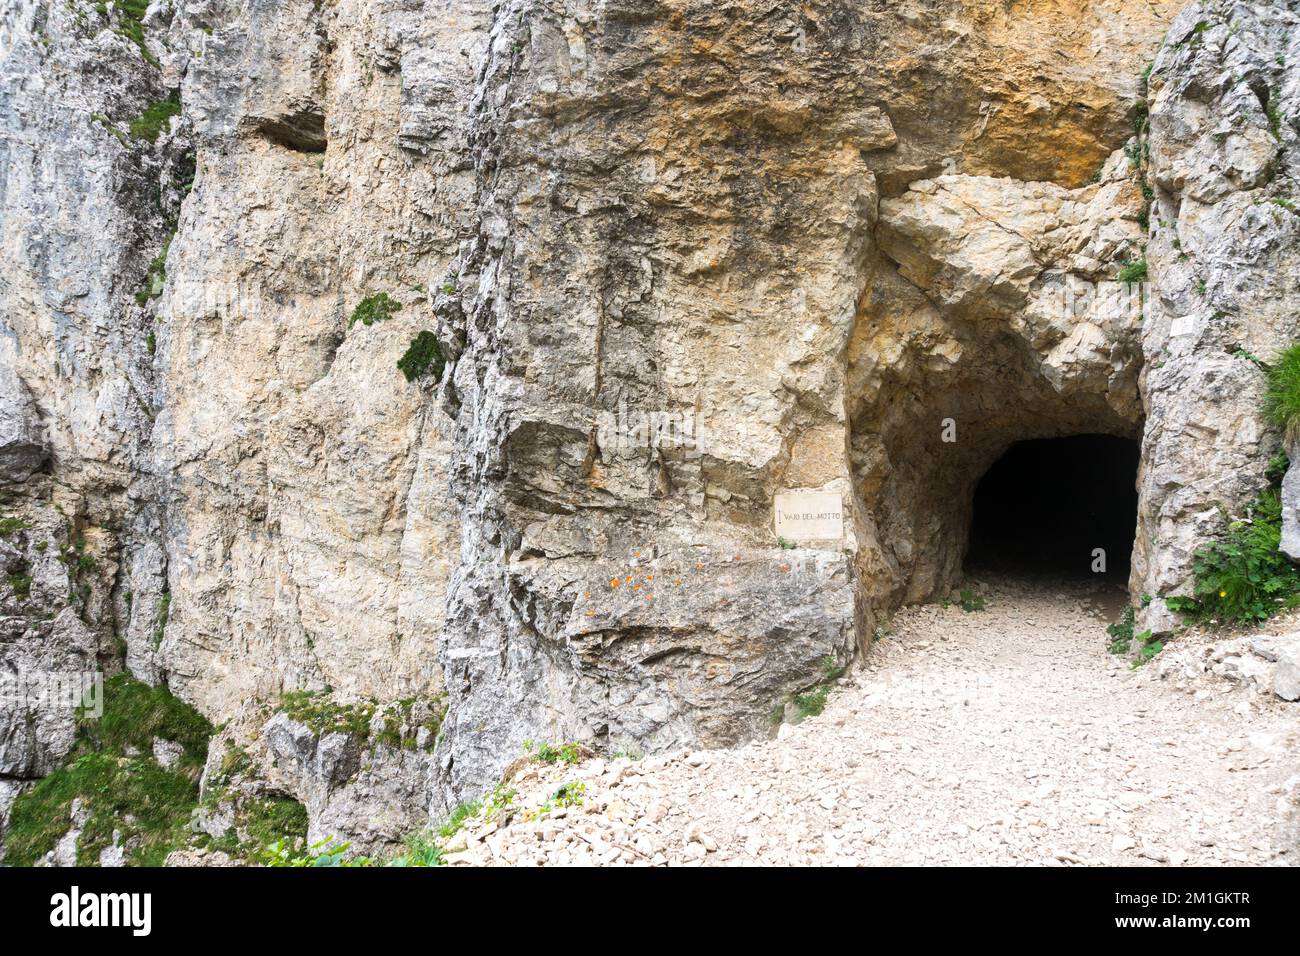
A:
x: 1047, y: 505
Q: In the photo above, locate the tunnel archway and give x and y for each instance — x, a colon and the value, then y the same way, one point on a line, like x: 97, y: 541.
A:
x: 1057, y: 506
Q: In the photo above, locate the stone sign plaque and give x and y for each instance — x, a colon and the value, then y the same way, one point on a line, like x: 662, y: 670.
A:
x: 809, y: 515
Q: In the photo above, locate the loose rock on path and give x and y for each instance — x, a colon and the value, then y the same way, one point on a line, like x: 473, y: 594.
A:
x: 1003, y: 736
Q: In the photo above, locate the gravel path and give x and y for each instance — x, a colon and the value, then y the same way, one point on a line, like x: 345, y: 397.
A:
x: 1004, y: 736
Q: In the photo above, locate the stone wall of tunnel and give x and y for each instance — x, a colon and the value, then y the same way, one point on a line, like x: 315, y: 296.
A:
x: 989, y: 317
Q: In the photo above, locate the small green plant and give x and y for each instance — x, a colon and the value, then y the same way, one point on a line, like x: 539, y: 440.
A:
x: 1133, y: 272
x: 550, y: 753
x: 971, y: 601
x: 149, y: 124
x: 1274, y: 114
x: 784, y: 544
x: 21, y: 584
x: 1147, y: 648
x: 317, y: 710
x: 327, y: 852
x: 1121, y: 632
x: 420, y: 850
x: 1282, y: 397
x: 1242, y: 577
x: 812, y: 703
x: 451, y: 826
x: 501, y: 797
x: 130, y: 23
x: 1277, y: 468
x: 422, y: 357
x: 11, y: 526
x: 568, y: 795
x: 832, y: 670
x: 155, y: 276
x: 160, y: 622
x: 379, y: 307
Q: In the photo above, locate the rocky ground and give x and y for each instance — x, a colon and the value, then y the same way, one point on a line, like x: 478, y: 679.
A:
x: 1002, y: 736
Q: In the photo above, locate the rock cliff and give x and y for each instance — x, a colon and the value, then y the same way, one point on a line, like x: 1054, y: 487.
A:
x: 678, y: 258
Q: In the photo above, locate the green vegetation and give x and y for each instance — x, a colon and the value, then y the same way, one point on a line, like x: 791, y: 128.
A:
x: 451, y: 826
x: 1133, y: 272
x: 149, y: 124
x: 379, y: 307
x: 971, y: 600
x: 1147, y: 648
x: 130, y: 23
x: 1273, y: 113
x: 423, y: 356
x: 11, y: 526
x: 160, y: 623
x: 149, y: 806
x: 812, y: 703
x: 421, y: 850
x: 1242, y: 577
x: 135, y: 713
x: 116, y: 133
x: 319, y: 713
x: 400, y: 723
x: 1122, y: 638
x: 568, y: 795
x: 1282, y: 398
x: 1121, y: 632
x: 21, y: 584
x: 156, y: 275
x: 551, y: 753
x: 1277, y: 468
x: 401, y: 728
x: 325, y: 853
x: 121, y: 787
x: 501, y: 797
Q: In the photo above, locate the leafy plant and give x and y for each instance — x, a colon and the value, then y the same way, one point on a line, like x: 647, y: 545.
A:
x: 1133, y: 272
x: 812, y: 703
x: 1147, y: 648
x: 21, y: 584
x: 1282, y: 396
x: 421, y: 850
x: 451, y: 826
x: 379, y: 307
x: 1121, y: 632
x: 155, y: 278
x: 11, y: 526
x: 327, y: 852
x: 550, y: 753
x: 149, y: 124
x: 971, y: 600
x: 1242, y: 577
x: 501, y: 797
x: 424, y: 355
x: 1277, y: 468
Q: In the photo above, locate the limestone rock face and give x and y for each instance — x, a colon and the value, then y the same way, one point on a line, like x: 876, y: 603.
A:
x: 681, y: 257
x: 1224, y: 261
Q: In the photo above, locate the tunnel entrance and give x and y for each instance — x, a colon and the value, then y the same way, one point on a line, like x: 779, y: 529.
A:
x: 1047, y: 505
